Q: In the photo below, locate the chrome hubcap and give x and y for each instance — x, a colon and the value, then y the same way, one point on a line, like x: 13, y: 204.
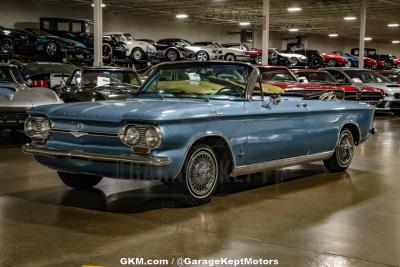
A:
x: 345, y: 149
x: 6, y: 47
x: 293, y: 61
x: 51, y: 49
x: 202, y: 56
x: 137, y: 54
x: 172, y: 55
x: 332, y: 63
x: 202, y: 173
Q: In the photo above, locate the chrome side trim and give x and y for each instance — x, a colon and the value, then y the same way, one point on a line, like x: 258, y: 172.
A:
x: 280, y: 163
x: 133, y: 159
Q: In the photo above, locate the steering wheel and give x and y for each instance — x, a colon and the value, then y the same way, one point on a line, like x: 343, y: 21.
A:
x: 230, y: 91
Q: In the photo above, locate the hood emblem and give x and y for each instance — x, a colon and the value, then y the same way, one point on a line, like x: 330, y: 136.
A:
x: 78, y: 134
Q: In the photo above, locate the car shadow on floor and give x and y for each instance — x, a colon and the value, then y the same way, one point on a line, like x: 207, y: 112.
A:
x: 153, y: 195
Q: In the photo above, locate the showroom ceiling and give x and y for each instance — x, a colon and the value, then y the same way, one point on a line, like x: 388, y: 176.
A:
x: 317, y: 16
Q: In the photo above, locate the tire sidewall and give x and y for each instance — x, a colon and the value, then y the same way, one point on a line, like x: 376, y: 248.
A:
x: 55, y: 45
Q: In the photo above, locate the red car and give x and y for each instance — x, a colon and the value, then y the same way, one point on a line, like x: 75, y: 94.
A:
x: 255, y: 54
x: 352, y: 92
x: 336, y: 60
x: 283, y: 78
x: 396, y: 62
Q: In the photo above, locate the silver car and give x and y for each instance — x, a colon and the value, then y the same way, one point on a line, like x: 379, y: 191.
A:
x: 16, y: 97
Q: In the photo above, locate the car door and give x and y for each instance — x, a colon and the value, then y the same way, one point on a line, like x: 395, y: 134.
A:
x: 277, y: 129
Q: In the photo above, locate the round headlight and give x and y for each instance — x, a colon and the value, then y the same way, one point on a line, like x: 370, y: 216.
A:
x: 152, y: 138
x: 30, y: 126
x: 37, y: 127
x: 131, y: 136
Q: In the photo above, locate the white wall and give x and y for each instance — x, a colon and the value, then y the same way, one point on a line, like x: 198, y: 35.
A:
x: 24, y: 13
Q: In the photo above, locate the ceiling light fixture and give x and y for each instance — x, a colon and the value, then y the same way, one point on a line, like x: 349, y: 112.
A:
x: 293, y: 30
x: 368, y: 38
x: 181, y: 16
x: 350, y: 18
x: 294, y: 9
x: 245, y: 23
x: 102, y: 5
x: 391, y: 25
x: 396, y: 42
x: 333, y: 35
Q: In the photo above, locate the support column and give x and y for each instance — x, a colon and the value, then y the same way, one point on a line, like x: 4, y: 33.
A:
x: 265, y: 27
x: 98, y: 33
x: 363, y: 26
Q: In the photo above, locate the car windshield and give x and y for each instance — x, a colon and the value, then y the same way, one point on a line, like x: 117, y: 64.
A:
x: 358, y: 76
x: 129, y: 37
x: 41, y: 68
x: 10, y: 74
x: 94, y: 78
x: 38, y: 32
x: 277, y: 75
x: 393, y: 76
x: 316, y: 77
x: 217, y: 81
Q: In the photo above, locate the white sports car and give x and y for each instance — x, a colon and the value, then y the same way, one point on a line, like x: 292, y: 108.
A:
x: 225, y: 53
x: 137, y: 50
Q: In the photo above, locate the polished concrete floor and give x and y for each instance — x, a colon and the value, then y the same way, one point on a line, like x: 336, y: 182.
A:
x: 302, y: 216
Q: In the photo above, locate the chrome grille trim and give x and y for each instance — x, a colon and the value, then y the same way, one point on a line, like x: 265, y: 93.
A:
x: 84, y: 133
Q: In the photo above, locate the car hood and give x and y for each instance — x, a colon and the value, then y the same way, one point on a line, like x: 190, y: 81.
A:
x: 19, y: 96
x: 140, y: 110
x: 308, y: 86
x: 65, y: 40
x: 387, y: 87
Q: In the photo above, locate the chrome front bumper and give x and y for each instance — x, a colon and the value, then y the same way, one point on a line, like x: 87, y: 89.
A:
x: 38, y: 150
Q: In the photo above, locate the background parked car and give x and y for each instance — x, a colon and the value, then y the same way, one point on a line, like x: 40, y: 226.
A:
x: 81, y: 30
x: 174, y: 49
x: 283, y: 78
x: 99, y: 83
x: 369, y: 63
x: 17, y: 42
x: 225, y: 53
x: 369, y: 78
x: 335, y: 60
x: 314, y: 57
x: 357, y: 93
x: 137, y: 50
x: 16, y: 97
x: 46, y: 74
x: 254, y: 54
x: 56, y: 47
x: 279, y: 57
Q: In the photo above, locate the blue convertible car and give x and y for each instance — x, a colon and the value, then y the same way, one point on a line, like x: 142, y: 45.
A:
x: 191, y: 125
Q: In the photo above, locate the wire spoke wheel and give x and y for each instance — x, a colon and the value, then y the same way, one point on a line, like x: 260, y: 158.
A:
x: 345, y: 149
x: 202, y: 173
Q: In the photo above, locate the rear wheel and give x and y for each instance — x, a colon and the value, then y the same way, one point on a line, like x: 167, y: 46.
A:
x: 7, y: 47
x: 108, y: 51
x: 230, y: 57
x: 172, y: 55
x: 137, y: 54
x: 202, y: 56
x: 344, y: 152
x: 51, y: 49
x: 79, y: 181
x: 332, y: 63
x: 316, y: 62
x: 199, y: 176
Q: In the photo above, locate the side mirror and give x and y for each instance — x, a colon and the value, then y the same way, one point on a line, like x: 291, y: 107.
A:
x: 274, y: 99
